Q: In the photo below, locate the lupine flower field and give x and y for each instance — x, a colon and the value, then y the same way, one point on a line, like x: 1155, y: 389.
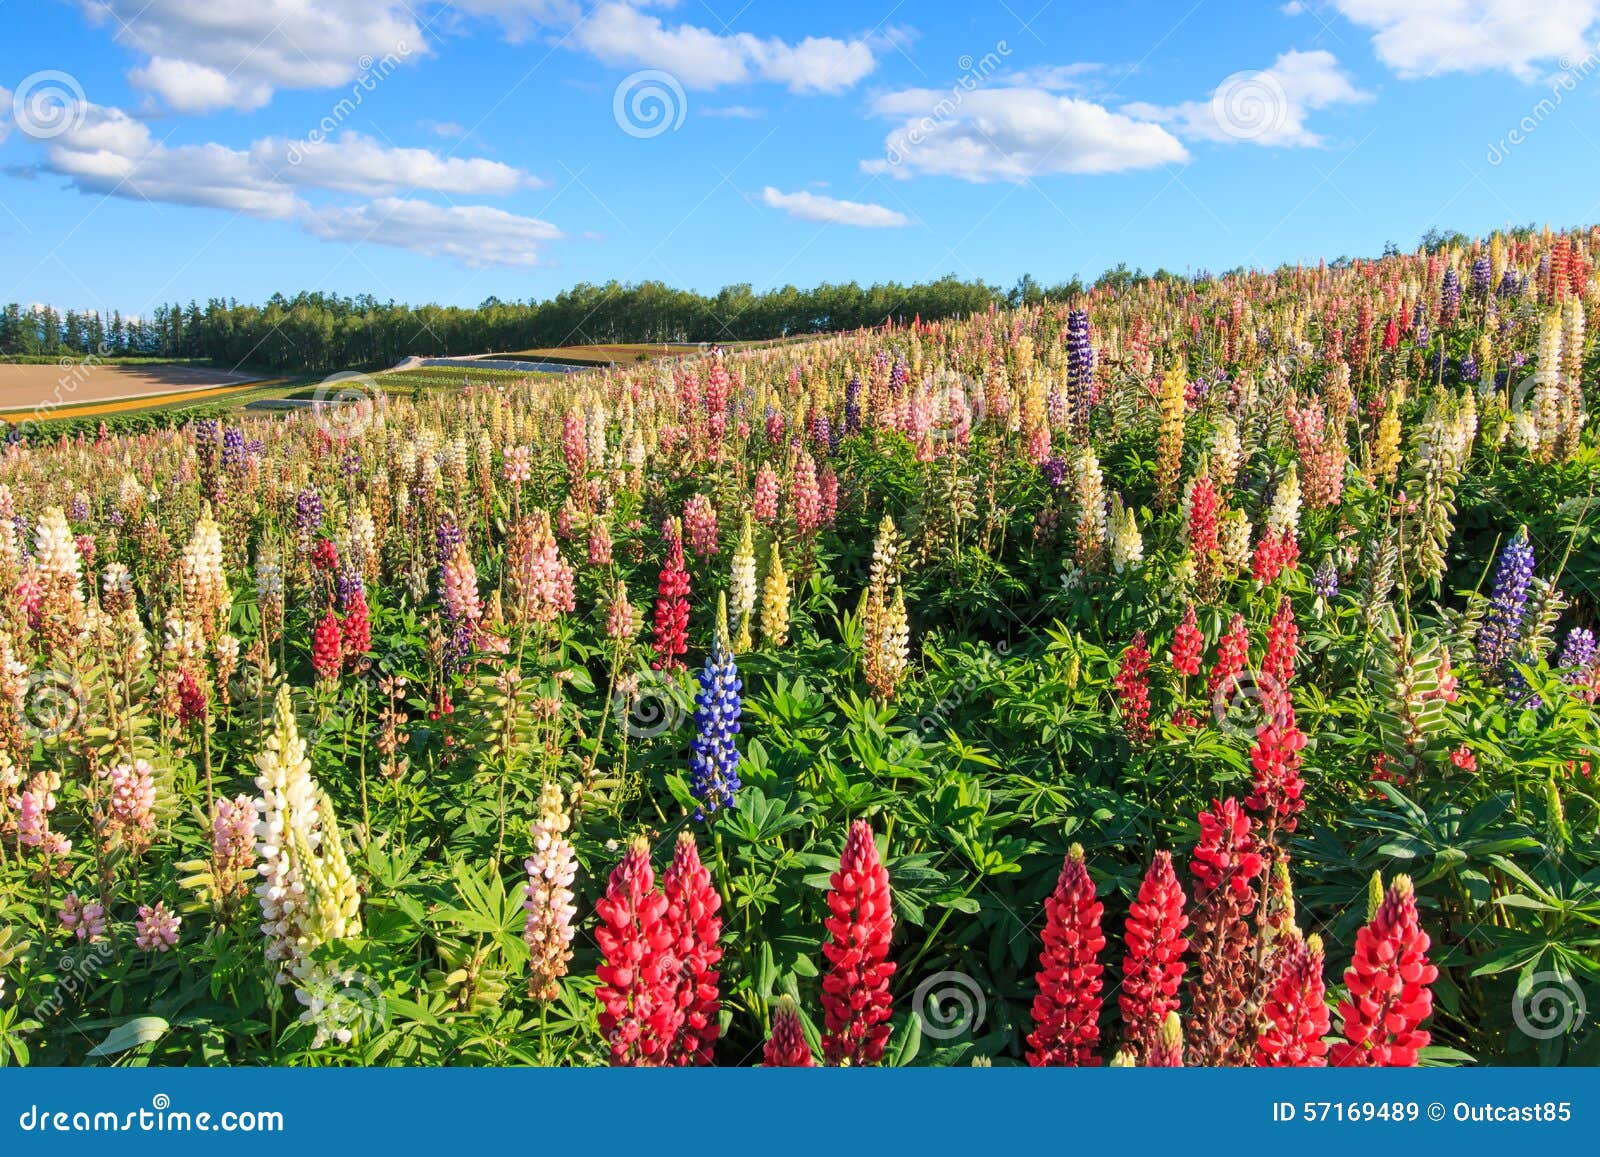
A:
x: 1191, y: 673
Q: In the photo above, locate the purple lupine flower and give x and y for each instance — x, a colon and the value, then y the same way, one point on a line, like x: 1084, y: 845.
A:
x: 1469, y: 368
x: 821, y: 431
x: 1510, y: 285
x: 79, y: 511
x: 233, y: 449
x: 1325, y: 580
x: 1482, y: 275
x: 1080, y: 368
x: 852, y: 405
x: 308, y: 511
x: 714, y: 757
x: 1578, y: 654
x: 1502, y: 626
x: 1054, y: 470
x: 346, y: 584
x: 898, y: 376
x: 1450, y: 294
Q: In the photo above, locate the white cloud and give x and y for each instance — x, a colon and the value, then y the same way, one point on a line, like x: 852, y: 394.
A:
x: 449, y: 129
x: 735, y: 112
x: 620, y: 34
x: 1266, y: 107
x: 812, y: 207
x: 5, y: 113
x: 475, y: 235
x: 1419, y: 38
x: 236, y: 53
x: 1055, y: 77
x: 354, y: 163
x: 1014, y: 134
x: 112, y: 154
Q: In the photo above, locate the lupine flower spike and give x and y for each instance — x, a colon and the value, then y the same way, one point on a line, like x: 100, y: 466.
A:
x: 1066, y: 1011
x: 855, y: 989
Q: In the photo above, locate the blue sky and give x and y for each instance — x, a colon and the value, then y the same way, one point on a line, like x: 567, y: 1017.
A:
x: 162, y: 150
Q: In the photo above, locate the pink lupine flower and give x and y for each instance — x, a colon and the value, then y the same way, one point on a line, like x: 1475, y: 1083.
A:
x: 764, y: 506
x: 518, y: 466
x: 85, y: 921
x: 156, y: 929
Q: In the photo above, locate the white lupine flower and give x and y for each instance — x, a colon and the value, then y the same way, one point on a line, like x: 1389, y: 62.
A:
x: 55, y: 550
x: 1284, y: 517
x: 307, y: 893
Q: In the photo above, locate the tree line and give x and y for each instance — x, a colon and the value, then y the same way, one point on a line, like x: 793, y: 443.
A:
x: 317, y: 332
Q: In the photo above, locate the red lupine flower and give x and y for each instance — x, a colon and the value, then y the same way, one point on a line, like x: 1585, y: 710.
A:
x: 639, y: 1016
x: 1274, y: 554
x: 1066, y: 1012
x: 1132, y: 683
x: 672, y: 604
x: 1463, y: 758
x: 1295, y: 1011
x: 1204, y: 543
x: 1233, y: 650
x: 855, y: 992
x: 1226, y: 860
x: 191, y: 697
x: 325, y: 556
x: 1391, y: 335
x: 786, y: 1047
x: 1187, y: 644
x: 327, y: 647
x: 692, y: 904
x: 1278, y: 666
x: 1388, y: 982
x: 1153, y: 966
x: 1278, y: 784
x: 356, y: 631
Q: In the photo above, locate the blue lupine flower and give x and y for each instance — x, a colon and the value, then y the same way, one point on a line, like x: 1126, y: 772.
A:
x: 714, y: 757
x: 1502, y: 627
x: 1325, y: 580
